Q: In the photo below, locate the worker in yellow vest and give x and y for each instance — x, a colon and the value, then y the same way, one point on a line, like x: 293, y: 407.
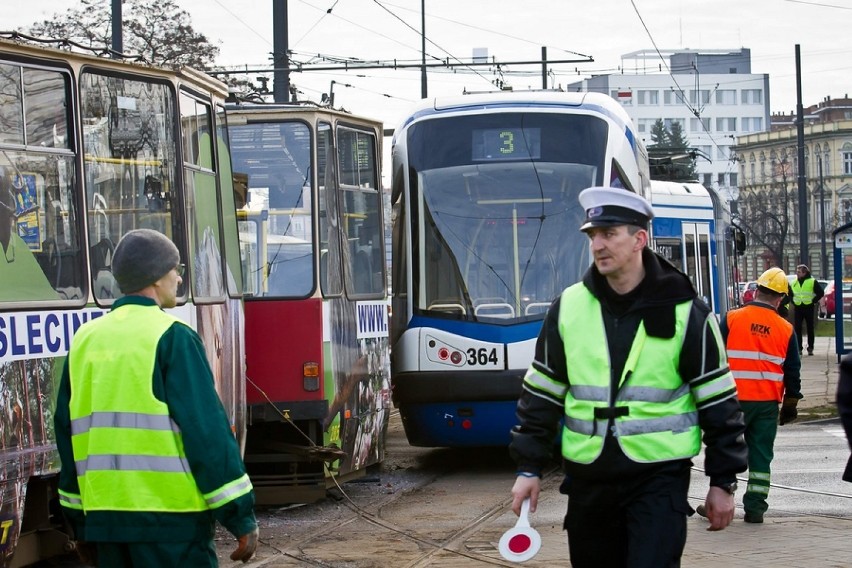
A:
x: 806, y: 294
x: 149, y: 461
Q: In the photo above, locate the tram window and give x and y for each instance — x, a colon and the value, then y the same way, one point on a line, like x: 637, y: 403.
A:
x: 331, y: 281
x: 11, y: 105
x: 46, y: 109
x: 233, y: 190
x: 130, y: 165
x: 362, y: 211
x: 277, y: 246
x: 41, y: 259
x: 671, y: 250
x: 202, y: 202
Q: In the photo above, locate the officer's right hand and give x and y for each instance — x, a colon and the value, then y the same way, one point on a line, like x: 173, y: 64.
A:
x: 720, y: 506
x: 246, y: 547
x: 525, y: 487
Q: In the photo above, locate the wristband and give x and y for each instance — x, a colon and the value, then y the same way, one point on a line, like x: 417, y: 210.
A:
x: 527, y: 474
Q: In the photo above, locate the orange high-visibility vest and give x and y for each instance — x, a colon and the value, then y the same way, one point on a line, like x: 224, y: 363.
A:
x: 758, y: 339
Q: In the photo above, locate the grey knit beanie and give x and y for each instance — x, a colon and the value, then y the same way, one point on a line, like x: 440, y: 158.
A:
x: 141, y: 258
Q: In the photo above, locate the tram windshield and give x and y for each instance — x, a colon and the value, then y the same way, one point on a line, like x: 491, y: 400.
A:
x: 496, y: 212
x: 275, y: 226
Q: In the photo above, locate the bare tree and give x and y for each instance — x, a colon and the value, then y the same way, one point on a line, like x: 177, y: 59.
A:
x: 157, y: 30
x: 767, y: 211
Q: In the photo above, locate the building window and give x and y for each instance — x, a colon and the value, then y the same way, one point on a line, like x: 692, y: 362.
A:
x: 751, y: 96
x: 645, y: 124
x: 753, y: 124
x: 708, y: 180
x: 646, y: 97
x: 673, y: 97
x: 847, y: 161
x: 699, y: 97
x: 721, y: 179
x: 845, y: 211
x: 826, y: 163
x: 624, y: 96
x: 752, y: 172
x: 726, y: 97
x: 733, y: 179
x: 699, y: 124
x: 669, y: 121
x: 705, y: 151
x: 726, y: 124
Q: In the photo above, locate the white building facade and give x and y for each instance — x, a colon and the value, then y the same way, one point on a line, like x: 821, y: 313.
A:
x: 712, y: 93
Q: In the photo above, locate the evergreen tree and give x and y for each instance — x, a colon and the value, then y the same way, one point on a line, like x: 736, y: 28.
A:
x: 677, y: 139
x: 659, y: 134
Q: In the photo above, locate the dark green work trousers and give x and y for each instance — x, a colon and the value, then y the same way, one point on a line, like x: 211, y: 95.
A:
x: 761, y: 419
x: 195, y: 554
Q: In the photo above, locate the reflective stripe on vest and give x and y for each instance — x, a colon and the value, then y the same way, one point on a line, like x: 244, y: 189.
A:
x: 803, y: 293
x: 129, y: 453
x: 758, y: 339
x: 655, y: 417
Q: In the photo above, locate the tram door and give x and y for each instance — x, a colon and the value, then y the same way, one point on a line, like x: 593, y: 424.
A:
x: 697, y: 260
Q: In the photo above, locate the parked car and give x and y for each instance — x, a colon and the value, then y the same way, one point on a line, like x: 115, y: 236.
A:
x: 827, y: 304
x: 825, y: 307
x: 748, y: 291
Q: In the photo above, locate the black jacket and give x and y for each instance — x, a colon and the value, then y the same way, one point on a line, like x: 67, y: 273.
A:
x: 701, y: 360
x: 844, y: 406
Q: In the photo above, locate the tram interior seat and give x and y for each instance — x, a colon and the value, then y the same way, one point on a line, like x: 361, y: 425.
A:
x: 58, y: 261
x: 100, y: 256
x: 448, y: 306
x: 362, y: 275
x: 498, y: 308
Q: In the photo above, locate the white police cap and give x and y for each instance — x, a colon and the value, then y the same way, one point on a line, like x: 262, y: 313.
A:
x: 607, y: 207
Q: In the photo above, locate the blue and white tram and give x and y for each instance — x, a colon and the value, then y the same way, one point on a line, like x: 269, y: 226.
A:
x: 689, y: 228
x: 485, y: 236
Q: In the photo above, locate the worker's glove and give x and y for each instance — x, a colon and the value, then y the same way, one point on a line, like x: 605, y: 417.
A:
x: 246, y: 547
x: 87, y: 552
x: 788, y: 410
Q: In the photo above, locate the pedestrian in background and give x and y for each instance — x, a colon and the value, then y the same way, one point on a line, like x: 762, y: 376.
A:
x: 806, y: 295
x: 634, y: 363
x: 844, y: 407
x: 149, y: 461
x: 766, y: 366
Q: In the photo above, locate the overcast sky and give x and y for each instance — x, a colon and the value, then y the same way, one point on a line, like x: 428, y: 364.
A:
x: 516, y: 31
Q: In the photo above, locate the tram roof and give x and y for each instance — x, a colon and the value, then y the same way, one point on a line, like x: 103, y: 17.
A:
x: 61, y: 56
x: 691, y: 194
x: 508, y: 99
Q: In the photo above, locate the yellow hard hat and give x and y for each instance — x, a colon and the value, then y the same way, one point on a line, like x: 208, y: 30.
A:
x: 775, y: 280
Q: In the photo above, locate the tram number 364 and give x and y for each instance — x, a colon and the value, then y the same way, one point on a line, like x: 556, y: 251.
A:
x: 482, y: 356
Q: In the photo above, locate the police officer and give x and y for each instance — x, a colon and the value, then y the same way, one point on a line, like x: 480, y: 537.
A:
x: 633, y: 362
x: 806, y: 294
x: 765, y: 363
x: 149, y: 462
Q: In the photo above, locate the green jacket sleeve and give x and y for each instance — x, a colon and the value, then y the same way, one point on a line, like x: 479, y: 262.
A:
x: 68, y: 485
x: 184, y: 381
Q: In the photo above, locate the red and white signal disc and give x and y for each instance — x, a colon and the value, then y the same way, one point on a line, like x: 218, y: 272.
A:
x: 521, y: 542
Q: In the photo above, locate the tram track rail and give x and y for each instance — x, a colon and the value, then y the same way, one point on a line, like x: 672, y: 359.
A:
x: 371, y: 528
